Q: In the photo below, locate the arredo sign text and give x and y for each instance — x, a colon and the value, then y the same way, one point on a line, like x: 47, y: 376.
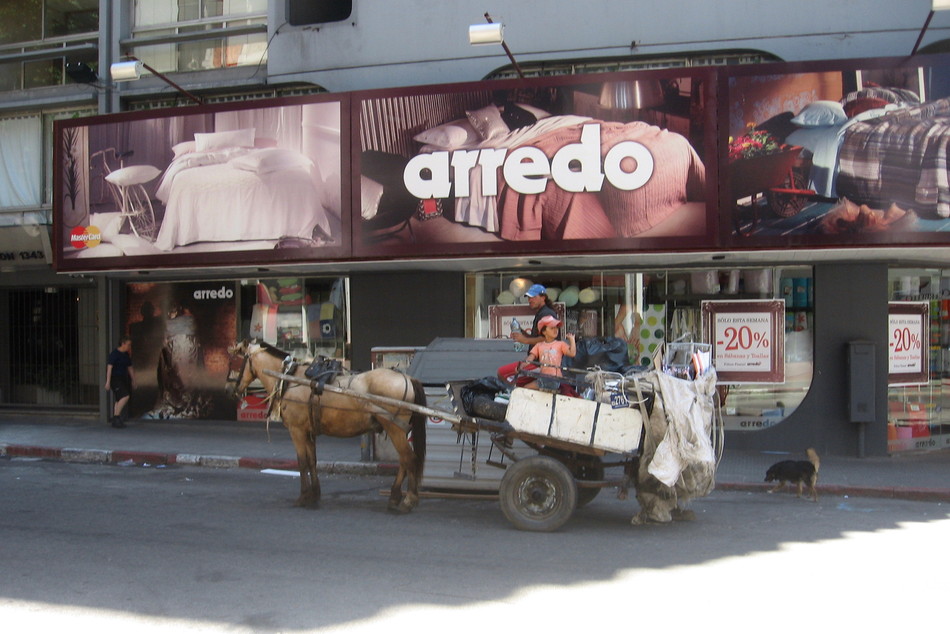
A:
x: 576, y: 167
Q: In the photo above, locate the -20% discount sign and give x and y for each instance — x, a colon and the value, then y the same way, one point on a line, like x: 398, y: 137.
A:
x: 748, y: 339
x: 905, y: 343
x: 743, y: 342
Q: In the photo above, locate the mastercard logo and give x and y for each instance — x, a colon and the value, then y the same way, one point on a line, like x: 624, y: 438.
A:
x: 85, y: 237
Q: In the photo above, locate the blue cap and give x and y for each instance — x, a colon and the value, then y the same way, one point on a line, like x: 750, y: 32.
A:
x: 536, y: 290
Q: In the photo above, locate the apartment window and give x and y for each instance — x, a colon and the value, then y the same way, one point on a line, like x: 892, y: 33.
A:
x: 26, y: 164
x: 38, y: 37
x: 193, y: 35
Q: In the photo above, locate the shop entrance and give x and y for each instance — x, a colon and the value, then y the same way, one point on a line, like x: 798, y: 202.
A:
x: 50, y: 347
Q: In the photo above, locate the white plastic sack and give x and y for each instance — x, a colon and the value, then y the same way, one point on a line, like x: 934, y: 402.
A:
x: 689, y: 412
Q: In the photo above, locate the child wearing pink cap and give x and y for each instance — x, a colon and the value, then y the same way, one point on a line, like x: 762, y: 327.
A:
x: 548, y: 353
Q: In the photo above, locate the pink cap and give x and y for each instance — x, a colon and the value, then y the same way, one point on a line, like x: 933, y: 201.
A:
x: 548, y: 320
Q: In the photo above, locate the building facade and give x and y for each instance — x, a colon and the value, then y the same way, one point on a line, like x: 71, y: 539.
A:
x: 358, y: 88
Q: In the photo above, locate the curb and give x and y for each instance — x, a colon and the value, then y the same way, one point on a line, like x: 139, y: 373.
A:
x: 841, y: 490
x: 147, y: 458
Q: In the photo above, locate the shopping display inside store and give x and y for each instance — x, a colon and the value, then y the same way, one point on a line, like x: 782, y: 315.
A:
x: 917, y: 410
x: 648, y: 309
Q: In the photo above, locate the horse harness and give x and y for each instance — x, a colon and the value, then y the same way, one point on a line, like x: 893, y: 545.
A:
x: 276, y: 396
x: 322, y: 370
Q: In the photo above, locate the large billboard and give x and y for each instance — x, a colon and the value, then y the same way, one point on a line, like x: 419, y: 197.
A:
x: 808, y: 155
x: 845, y: 153
x: 613, y: 162
x: 217, y: 185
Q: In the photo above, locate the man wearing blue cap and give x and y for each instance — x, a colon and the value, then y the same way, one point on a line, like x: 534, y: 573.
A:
x: 538, y: 301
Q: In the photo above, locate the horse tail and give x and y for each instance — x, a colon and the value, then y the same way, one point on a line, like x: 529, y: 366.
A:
x: 417, y: 423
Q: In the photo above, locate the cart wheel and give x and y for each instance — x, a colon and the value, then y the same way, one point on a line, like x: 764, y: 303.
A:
x: 538, y: 494
x: 582, y: 467
x: 587, y: 468
x: 785, y: 204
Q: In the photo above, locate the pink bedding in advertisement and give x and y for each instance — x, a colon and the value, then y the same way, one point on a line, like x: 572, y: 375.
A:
x: 678, y: 177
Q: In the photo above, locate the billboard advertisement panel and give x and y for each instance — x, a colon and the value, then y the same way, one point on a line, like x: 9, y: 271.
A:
x: 609, y: 162
x: 180, y: 335
x: 845, y: 153
x: 808, y: 155
x: 202, y: 185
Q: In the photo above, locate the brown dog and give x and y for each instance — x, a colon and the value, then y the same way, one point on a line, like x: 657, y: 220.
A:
x: 803, y: 472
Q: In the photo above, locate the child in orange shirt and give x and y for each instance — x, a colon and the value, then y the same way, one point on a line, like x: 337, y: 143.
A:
x: 548, y: 353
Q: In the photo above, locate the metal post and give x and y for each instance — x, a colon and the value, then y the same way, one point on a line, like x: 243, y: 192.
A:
x: 922, y: 31
x: 512, y: 57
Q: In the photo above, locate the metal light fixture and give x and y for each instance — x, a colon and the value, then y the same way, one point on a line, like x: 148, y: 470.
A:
x: 126, y: 71
x: 493, y: 33
x: 132, y: 68
x: 935, y: 5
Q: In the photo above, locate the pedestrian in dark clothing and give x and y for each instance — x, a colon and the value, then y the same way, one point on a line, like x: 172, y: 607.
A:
x: 120, y: 379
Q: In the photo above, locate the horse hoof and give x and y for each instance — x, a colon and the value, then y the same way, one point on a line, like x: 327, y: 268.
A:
x: 397, y: 508
x: 405, y: 506
x: 307, y: 503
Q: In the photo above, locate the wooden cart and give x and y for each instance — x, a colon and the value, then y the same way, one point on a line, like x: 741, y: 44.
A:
x: 571, y: 437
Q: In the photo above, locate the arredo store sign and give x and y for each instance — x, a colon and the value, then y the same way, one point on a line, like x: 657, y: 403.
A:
x: 576, y: 167
x: 737, y: 157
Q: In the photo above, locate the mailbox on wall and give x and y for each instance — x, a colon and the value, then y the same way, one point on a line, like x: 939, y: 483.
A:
x: 861, y: 404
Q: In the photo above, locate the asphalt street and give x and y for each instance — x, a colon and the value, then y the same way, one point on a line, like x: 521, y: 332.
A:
x: 114, y: 548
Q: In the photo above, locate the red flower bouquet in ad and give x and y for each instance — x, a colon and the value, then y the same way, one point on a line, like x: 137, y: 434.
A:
x: 753, y: 143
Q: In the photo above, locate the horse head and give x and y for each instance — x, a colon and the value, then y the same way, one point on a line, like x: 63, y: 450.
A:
x: 243, y: 369
x: 241, y: 372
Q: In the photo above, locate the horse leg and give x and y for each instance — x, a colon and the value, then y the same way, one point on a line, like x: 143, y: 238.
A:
x: 398, y: 502
x: 305, y: 447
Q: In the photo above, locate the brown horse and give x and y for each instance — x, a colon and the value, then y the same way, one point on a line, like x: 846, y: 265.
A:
x: 307, y: 414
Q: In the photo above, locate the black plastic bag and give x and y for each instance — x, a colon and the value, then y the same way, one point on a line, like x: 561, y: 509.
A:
x: 607, y: 353
x: 477, y: 395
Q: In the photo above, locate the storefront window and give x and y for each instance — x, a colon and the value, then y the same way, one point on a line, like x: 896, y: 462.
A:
x: 646, y: 309
x: 181, y: 332
x: 917, y: 417
x: 306, y: 317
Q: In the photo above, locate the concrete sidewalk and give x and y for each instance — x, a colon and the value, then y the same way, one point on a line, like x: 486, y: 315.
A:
x: 916, y: 476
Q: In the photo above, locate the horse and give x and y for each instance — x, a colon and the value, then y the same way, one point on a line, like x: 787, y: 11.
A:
x: 307, y: 413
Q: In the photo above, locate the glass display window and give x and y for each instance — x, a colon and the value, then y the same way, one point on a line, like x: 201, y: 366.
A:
x: 305, y: 317
x: 917, y: 415
x: 649, y: 308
